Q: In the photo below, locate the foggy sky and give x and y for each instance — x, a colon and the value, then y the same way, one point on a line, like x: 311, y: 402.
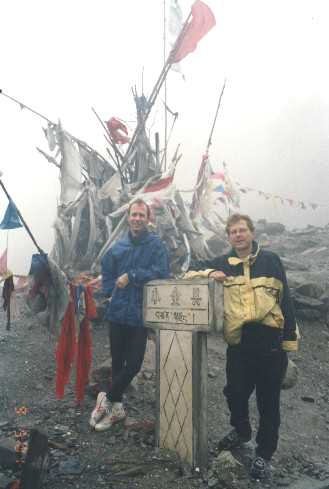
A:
x: 63, y: 58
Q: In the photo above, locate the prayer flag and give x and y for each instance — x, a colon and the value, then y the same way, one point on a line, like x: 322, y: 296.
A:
x: 175, y: 25
x: 202, y: 21
x: 159, y: 185
x: 220, y: 188
x: 11, y: 218
x: 175, y: 21
x: 218, y: 176
x: 205, y: 172
x: 118, y: 131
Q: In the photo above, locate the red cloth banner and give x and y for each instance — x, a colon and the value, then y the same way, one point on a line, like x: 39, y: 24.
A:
x: 118, y: 131
x: 202, y: 21
x: 84, y: 359
x: 69, y: 347
x: 85, y: 344
x: 159, y: 185
x: 66, y: 348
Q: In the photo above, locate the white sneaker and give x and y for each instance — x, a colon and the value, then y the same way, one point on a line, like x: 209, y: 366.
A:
x: 116, y: 414
x: 102, y: 406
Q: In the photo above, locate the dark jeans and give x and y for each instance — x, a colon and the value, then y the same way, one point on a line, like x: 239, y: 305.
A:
x: 128, y: 345
x: 247, y: 370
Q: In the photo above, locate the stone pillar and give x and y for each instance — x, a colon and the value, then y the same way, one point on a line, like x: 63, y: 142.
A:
x: 183, y: 312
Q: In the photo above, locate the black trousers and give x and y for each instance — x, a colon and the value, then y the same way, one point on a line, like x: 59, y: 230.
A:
x: 248, y: 370
x: 128, y: 344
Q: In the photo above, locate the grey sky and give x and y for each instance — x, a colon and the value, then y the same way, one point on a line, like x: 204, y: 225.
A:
x: 62, y: 58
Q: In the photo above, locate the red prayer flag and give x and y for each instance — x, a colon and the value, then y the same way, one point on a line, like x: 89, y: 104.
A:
x: 118, y: 131
x: 84, y: 359
x: 66, y: 348
x: 159, y: 185
x: 202, y: 21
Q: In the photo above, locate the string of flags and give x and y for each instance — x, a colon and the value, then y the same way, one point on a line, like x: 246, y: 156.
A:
x: 300, y: 204
x: 219, y: 184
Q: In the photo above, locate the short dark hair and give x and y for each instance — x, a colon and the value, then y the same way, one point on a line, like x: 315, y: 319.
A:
x: 235, y: 218
x: 140, y: 202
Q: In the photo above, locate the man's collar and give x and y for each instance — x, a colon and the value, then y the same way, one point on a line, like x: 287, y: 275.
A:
x: 235, y: 260
x: 140, y: 237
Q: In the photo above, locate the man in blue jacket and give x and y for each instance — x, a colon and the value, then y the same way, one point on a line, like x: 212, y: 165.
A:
x: 127, y: 266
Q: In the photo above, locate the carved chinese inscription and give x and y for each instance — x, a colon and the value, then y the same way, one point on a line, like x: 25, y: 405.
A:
x: 183, y: 305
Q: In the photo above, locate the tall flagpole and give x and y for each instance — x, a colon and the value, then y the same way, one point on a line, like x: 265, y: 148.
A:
x: 165, y: 83
x: 155, y: 91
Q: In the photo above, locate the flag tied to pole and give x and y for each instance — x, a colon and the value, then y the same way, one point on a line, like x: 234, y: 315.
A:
x: 118, y: 131
x: 202, y: 21
x: 175, y: 25
x: 11, y: 218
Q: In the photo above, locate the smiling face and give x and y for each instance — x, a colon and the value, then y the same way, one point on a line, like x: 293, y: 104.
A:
x: 240, y: 237
x: 138, y: 219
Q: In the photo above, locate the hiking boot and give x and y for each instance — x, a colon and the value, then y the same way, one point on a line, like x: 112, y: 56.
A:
x: 231, y: 440
x: 260, y: 469
x: 102, y: 406
x: 116, y: 414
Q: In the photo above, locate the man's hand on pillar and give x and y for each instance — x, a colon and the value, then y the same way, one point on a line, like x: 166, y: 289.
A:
x: 218, y: 275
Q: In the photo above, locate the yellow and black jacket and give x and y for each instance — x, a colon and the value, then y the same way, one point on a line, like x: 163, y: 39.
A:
x: 257, y: 306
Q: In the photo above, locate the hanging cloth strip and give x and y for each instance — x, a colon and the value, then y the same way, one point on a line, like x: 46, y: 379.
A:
x: 84, y: 357
x: 69, y: 346
x: 66, y: 347
x: 8, y: 289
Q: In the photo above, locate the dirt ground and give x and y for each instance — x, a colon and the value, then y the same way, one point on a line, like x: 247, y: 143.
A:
x: 127, y: 459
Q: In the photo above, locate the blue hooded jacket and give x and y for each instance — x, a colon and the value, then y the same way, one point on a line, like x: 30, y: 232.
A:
x: 144, y: 258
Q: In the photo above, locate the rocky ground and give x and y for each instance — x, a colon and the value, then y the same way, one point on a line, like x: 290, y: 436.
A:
x: 126, y: 458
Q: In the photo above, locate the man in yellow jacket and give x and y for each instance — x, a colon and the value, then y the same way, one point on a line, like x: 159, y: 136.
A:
x: 259, y: 327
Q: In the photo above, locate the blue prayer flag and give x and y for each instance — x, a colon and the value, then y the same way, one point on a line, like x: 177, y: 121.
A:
x: 11, y: 218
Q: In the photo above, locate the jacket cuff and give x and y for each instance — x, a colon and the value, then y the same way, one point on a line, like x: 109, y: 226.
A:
x: 199, y: 273
x: 290, y: 345
x: 132, y: 276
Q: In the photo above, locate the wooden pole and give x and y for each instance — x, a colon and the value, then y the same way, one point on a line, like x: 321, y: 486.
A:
x: 22, y: 219
x: 79, y: 141
x: 23, y: 106
x: 216, y: 115
x: 157, y: 150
